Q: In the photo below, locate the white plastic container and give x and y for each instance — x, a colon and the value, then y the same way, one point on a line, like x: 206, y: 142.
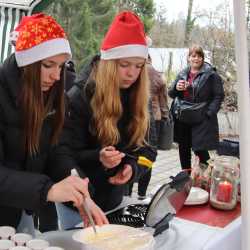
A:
x: 6, y: 232
x: 53, y: 248
x: 21, y: 239
x: 6, y: 244
x: 37, y: 244
x: 197, y: 196
x: 20, y: 248
x: 115, y: 237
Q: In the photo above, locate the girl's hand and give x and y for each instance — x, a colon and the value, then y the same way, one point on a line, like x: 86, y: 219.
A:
x: 98, y: 215
x: 110, y: 157
x: 123, y: 176
x: 181, y: 85
x: 75, y: 189
x: 72, y: 188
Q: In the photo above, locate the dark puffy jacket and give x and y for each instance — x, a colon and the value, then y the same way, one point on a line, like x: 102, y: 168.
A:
x: 78, y: 142
x: 206, y: 87
x: 24, y: 181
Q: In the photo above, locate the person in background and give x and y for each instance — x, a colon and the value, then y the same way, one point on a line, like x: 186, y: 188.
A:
x: 109, y: 118
x: 159, y: 97
x: 199, y: 82
x: 159, y: 111
x: 32, y: 114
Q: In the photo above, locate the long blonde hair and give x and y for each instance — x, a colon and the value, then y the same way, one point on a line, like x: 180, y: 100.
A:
x: 107, y: 107
x: 35, y: 108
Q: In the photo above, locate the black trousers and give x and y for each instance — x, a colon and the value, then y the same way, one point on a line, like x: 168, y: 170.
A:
x: 144, y: 180
x: 185, y: 147
x: 143, y: 183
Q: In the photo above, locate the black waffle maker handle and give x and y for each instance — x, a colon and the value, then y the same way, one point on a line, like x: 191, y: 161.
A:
x: 179, y: 181
x: 163, y: 224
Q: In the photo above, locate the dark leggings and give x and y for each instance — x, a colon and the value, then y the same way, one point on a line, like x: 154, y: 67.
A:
x: 142, y: 184
x: 185, y: 147
x: 185, y: 156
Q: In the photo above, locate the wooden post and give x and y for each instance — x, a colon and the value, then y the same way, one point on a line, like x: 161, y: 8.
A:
x: 244, y: 107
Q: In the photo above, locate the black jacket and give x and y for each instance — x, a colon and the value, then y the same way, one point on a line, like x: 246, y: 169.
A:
x: 24, y: 181
x: 206, y: 87
x: 79, y: 141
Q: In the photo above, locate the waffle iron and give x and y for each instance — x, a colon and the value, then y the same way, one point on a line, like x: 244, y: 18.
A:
x: 167, y: 201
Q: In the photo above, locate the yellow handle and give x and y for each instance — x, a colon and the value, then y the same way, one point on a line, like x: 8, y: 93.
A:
x: 145, y: 162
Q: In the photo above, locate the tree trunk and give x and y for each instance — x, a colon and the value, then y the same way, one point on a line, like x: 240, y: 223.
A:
x: 169, y: 68
x: 189, y: 24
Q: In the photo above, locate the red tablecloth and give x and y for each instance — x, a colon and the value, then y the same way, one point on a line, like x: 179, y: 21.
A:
x: 208, y: 215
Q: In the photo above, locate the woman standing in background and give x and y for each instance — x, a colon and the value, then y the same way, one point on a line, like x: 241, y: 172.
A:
x: 197, y: 83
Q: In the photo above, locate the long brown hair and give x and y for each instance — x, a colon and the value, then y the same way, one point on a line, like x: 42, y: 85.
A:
x: 35, y: 108
x: 107, y: 107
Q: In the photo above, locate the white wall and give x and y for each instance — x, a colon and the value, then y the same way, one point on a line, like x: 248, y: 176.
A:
x: 160, y: 58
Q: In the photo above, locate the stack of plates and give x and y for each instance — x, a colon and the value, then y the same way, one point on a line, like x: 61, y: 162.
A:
x: 197, y: 196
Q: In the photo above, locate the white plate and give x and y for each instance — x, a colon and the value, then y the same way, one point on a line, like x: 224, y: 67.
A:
x: 115, y: 237
x: 197, y: 196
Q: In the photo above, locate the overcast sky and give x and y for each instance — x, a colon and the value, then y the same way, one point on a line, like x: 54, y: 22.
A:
x: 175, y: 8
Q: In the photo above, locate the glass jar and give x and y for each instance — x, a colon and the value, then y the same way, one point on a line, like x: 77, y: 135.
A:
x: 201, y: 175
x: 224, y: 183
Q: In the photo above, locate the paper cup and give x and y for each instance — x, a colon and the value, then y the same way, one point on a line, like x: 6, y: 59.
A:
x: 6, y: 232
x: 37, y: 244
x: 6, y: 244
x: 21, y: 239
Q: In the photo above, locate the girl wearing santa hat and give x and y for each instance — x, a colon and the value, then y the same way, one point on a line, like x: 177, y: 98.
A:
x: 31, y: 119
x: 109, y: 119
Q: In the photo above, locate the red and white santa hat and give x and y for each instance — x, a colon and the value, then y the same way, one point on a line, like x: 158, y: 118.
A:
x: 38, y: 37
x: 125, y: 38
